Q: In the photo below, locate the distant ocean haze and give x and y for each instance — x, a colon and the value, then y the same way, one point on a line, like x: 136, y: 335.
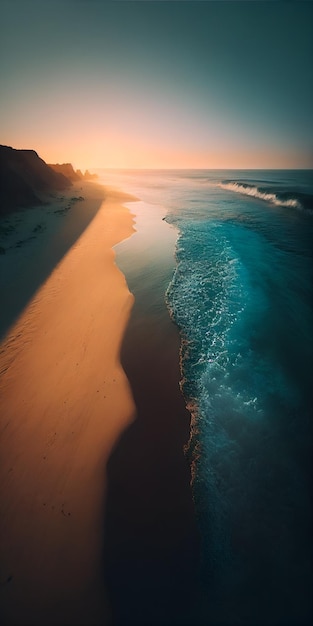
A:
x: 235, y: 268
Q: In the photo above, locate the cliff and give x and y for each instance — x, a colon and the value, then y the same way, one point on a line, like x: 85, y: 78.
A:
x: 67, y: 170
x: 25, y: 179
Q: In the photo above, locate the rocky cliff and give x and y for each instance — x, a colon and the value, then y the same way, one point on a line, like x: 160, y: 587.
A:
x: 25, y: 179
x: 67, y: 170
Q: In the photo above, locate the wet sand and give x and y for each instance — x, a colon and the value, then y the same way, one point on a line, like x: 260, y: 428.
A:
x: 64, y: 400
x: 151, y: 554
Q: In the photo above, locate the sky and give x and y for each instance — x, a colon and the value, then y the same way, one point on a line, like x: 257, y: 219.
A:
x: 158, y: 84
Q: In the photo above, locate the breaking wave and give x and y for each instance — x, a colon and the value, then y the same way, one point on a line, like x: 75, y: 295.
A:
x: 279, y: 199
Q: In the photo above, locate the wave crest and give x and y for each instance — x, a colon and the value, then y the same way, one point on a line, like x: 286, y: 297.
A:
x: 250, y: 190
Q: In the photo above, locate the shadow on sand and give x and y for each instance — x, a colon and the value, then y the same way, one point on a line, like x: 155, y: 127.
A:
x: 49, y: 250
x: 151, y: 549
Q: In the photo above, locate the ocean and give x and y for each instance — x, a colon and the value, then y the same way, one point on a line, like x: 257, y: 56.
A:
x: 230, y: 253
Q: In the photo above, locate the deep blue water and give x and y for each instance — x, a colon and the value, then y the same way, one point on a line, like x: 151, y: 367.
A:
x: 241, y: 295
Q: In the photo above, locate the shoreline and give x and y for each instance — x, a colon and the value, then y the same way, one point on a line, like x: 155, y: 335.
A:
x: 64, y: 401
x: 151, y: 556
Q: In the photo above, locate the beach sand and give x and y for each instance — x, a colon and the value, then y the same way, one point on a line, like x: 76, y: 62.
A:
x: 152, y: 550
x: 64, y: 401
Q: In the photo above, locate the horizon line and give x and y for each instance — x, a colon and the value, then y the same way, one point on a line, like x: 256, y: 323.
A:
x: 216, y: 169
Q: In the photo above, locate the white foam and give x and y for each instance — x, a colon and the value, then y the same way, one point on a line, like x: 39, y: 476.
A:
x: 262, y: 195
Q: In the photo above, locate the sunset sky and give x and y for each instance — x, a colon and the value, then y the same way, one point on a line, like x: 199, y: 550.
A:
x: 158, y: 83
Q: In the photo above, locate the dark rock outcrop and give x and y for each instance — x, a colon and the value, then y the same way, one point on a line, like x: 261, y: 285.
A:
x: 67, y: 170
x: 25, y: 179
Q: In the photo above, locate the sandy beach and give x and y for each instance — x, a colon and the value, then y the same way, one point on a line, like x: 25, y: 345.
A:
x: 64, y: 400
x: 151, y: 552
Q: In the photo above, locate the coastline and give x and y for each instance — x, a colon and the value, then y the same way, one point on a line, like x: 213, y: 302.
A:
x: 64, y: 400
x: 151, y: 554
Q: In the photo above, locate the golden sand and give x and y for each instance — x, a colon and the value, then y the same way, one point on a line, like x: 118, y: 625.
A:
x: 64, y: 400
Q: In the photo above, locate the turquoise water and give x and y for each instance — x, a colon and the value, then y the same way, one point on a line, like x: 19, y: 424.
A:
x: 241, y: 294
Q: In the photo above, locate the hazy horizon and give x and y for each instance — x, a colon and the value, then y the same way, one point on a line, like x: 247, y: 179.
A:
x: 211, y: 169
x: 159, y: 85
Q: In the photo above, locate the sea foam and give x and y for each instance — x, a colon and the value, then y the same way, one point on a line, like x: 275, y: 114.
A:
x: 249, y: 190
